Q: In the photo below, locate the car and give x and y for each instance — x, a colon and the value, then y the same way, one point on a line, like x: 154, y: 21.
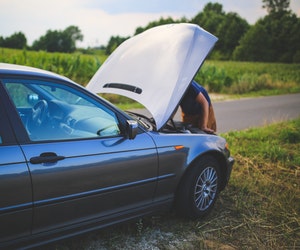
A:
x: 72, y: 162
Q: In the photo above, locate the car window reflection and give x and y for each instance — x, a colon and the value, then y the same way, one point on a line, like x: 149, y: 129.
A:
x: 50, y: 111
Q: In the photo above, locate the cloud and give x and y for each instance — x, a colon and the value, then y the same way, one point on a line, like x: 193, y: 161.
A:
x: 99, y: 26
x: 137, y: 6
x: 100, y: 19
x: 295, y: 6
x: 35, y: 17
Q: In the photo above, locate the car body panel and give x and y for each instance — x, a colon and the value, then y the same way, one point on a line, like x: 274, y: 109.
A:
x: 84, y: 177
x: 16, y: 194
x: 190, y: 148
x: 155, y: 72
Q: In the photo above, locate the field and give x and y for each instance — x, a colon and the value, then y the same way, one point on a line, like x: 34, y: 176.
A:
x: 260, y: 208
x: 225, y: 77
x: 78, y: 67
x: 249, y: 78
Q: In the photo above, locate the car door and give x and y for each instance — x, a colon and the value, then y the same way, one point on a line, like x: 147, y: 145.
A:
x: 83, y: 166
x: 15, y: 184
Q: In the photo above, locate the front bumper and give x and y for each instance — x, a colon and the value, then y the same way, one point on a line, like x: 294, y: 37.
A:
x: 229, y: 165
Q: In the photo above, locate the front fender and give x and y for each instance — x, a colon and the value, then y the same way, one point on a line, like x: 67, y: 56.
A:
x: 177, y: 152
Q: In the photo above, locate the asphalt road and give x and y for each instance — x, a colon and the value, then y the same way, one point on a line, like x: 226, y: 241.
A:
x: 254, y: 112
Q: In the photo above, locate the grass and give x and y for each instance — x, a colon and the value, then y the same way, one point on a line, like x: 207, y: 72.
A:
x: 259, y: 209
x: 268, y: 197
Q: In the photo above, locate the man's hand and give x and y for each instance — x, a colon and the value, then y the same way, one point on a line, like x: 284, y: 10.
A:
x: 208, y: 130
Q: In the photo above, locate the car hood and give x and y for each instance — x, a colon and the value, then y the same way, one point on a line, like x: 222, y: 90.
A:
x: 155, y: 67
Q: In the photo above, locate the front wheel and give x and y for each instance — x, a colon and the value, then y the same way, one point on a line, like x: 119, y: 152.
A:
x: 199, y: 189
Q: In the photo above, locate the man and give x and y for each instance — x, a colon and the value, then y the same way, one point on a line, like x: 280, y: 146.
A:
x: 197, y: 109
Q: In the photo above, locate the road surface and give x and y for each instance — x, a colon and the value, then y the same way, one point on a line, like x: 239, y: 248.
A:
x: 254, y: 112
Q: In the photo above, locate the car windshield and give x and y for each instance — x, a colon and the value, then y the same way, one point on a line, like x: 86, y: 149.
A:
x: 65, y: 95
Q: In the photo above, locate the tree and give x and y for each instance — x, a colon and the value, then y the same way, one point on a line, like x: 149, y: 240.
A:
x: 16, y: 41
x: 275, y: 6
x: 274, y: 38
x: 230, y: 31
x: 210, y: 18
x: 1, y: 41
x: 255, y: 45
x: 229, y: 28
x: 50, y: 42
x: 161, y: 21
x: 113, y: 43
x: 70, y: 35
x: 59, y: 41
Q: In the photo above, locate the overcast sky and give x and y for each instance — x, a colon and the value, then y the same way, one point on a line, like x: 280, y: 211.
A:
x: 98, y: 20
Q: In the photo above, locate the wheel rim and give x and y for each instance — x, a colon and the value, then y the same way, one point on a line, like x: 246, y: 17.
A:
x: 206, y: 188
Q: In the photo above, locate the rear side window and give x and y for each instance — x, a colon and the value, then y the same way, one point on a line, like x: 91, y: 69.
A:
x: 52, y: 111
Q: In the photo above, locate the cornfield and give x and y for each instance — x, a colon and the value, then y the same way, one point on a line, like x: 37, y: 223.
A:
x: 227, y: 77
x: 78, y: 67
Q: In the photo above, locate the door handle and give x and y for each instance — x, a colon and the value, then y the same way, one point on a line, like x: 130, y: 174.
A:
x: 47, y: 157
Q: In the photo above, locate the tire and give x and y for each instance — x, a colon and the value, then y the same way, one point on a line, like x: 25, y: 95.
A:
x: 199, y: 188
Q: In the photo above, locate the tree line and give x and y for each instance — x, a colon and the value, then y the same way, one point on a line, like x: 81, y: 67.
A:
x: 52, y: 41
x: 273, y: 38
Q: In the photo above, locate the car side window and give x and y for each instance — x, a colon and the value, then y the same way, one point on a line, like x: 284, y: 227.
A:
x: 51, y: 111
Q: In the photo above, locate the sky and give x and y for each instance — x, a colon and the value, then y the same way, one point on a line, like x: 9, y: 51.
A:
x: 98, y: 20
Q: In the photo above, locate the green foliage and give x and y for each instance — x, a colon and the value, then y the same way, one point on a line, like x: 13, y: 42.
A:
x: 227, y: 77
x: 161, y: 21
x: 228, y: 27
x: 290, y: 133
x: 274, y: 6
x: 255, y: 45
x: 78, y: 67
x: 245, y: 78
x: 275, y: 38
x: 278, y: 143
x: 213, y: 78
x: 59, y: 41
x: 16, y: 41
x: 113, y: 43
x: 230, y: 32
x: 210, y: 18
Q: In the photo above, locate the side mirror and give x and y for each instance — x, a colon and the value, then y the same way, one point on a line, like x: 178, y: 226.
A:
x: 132, y: 128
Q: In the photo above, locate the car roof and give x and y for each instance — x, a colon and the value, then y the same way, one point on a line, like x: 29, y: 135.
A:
x: 6, y: 68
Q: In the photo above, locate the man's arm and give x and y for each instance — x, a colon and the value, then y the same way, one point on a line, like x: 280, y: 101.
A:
x: 205, y: 106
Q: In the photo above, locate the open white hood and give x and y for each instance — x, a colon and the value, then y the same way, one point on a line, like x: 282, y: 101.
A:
x: 155, y: 67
